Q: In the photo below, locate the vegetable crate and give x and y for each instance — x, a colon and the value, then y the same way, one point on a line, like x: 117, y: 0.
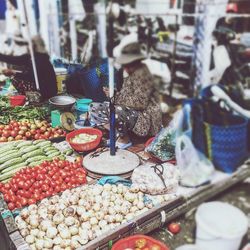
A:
x: 154, y: 218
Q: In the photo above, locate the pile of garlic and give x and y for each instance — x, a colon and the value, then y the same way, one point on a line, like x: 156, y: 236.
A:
x: 79, y: 215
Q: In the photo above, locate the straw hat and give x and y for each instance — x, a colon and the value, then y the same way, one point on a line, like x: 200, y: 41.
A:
x: 129, y: 50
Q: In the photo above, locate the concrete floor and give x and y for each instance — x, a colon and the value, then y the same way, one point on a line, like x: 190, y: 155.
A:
x: 238, y: 196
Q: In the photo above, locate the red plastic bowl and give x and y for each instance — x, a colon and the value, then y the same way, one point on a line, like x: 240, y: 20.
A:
x: 17, y: 100
x: 129, y: 242
x: 81, y: 147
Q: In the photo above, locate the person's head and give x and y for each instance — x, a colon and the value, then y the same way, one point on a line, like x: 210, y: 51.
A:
x: 38, y: 44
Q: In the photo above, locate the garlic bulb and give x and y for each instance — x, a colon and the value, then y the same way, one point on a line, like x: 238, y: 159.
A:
x: 80, y: 210
x: 58, y: 218
x: 48, y: 243
x: 51, y: 232
x: 69, y: 221
x: 41, y: 234
x: 69, y: 211
x: 39, y: 244
x: 93, y: 221
x: 30, y: 239
x: 65, y: 243
x: 24, y: 232
x: 24, y: 213
x: 34, y: 232
x: 73, y: 230
x: 44, y: 225
x: 65, y: 234
x: 57, y: 240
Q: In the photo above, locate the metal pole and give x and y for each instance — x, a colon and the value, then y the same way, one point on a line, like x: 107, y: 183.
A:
x: 30, y: 46
x: 112, y: 135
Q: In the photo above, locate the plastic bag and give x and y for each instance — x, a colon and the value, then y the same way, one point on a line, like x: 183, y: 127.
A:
x: 163, y: 145
x: 155, y: 179
x: 195, y: 168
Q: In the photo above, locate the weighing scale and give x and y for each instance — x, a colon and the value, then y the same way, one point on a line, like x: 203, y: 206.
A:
x: 63, y: 115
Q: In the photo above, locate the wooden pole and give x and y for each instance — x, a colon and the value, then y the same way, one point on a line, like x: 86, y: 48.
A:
x: 30, y: 45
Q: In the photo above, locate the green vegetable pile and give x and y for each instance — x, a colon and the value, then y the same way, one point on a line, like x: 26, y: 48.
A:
x: 20, y: 113
x: 19, y: 154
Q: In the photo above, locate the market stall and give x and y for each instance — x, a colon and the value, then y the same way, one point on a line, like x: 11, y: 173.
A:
x: 65, y: 184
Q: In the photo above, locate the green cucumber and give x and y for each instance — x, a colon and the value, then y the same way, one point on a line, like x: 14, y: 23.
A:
x: 37, y: 158
x: 54, y: 154
x: 24, y: 143
x: 6, y: 148
x: 35, y: 163
x: 6, y: 180
x: 68, y: 151
x: 46, y: 147
x: 43, y: 143
x: 49, y: 148
x: 9, y: 157
x: 32, y: 153
x: 9, y: 174
x: 11, y: 162
x: 27, y: 149
x: 8, y: 153
x: 61, y: 157
x: 38, y: 141
x: 18, y: 165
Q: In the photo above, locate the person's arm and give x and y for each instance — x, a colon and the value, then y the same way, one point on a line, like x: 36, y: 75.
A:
x: 15, y: 60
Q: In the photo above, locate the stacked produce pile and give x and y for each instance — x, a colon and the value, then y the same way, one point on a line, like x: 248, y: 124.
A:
x: 29, y: 130
x: 16, y: 155
x: 19, y: 113
x: 30, y: 185
x: 79, y: 215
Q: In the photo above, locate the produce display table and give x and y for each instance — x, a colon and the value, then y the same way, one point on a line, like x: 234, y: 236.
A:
x: 185, y: 200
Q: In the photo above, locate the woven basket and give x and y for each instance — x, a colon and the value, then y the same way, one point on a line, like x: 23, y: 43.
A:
x: 224, y: 144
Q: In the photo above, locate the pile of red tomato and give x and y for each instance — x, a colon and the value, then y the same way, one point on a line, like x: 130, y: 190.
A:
x: 32, y: 130
x: 30, y: 185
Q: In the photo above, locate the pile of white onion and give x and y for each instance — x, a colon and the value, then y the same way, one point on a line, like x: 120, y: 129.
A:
x: 79, y: 215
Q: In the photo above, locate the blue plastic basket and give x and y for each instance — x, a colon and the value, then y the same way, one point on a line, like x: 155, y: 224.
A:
x: 224, y: 145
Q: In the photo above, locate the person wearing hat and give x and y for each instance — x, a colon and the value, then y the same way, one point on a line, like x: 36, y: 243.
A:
x: 24, y: 81
x: 137, y: 110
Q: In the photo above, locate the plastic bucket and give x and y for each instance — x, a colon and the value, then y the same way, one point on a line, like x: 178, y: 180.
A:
x: 219, y: 226
x: 83, y: 104
x: 17, y: 100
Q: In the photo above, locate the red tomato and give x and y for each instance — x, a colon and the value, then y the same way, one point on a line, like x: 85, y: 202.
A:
x: 36, y: 196
x: 174, y: 228
x: 18, y: 204
x: 21, y: 184
x: 11, y: 206
x: 23, y: 201
x: 6, y: 197
x: 45, y: 187
x: 31, y: 201
x: 13, y: 133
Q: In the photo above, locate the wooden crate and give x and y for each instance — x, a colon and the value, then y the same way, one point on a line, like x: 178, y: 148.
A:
x: 157, y: 216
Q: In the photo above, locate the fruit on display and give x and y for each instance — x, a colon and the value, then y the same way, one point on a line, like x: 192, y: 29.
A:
x: 29, y: 130
x: 174, y: 228
x: 79, y: 215
x: 19, y: 154
x: 30, y: 185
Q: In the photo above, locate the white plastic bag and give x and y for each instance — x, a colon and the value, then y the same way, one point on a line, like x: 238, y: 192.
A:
x: 155, y: 179
x: 195, y: 168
